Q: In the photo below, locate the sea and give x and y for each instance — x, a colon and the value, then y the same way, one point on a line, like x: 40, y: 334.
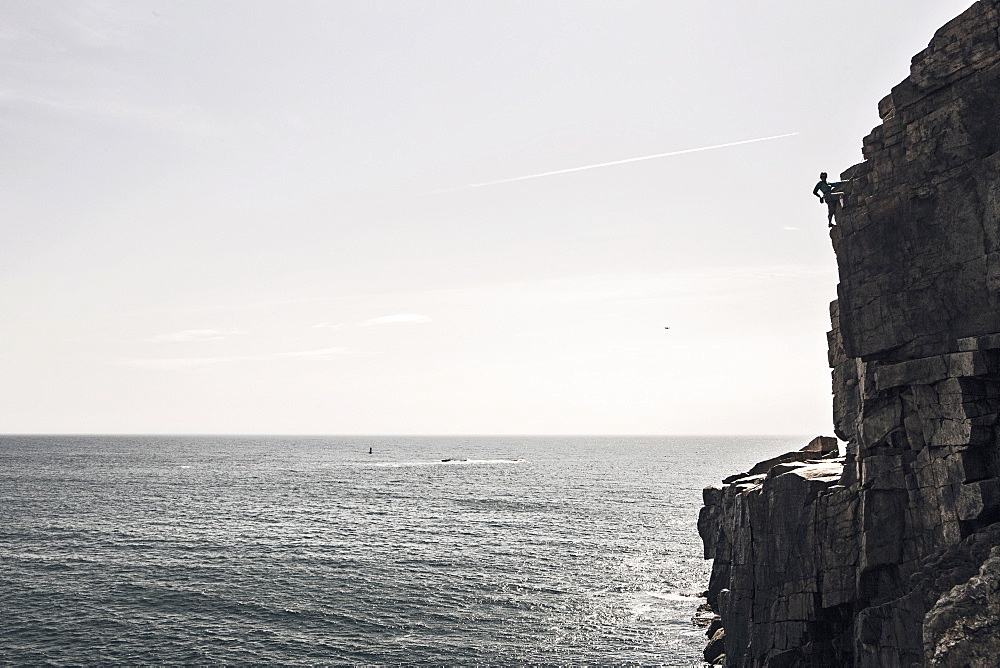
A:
x: 292, y: 550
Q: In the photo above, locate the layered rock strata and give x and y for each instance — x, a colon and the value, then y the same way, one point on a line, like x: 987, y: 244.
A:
x: 885, y: 556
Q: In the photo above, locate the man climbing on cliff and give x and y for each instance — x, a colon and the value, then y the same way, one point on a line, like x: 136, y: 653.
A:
x: 824, y: 191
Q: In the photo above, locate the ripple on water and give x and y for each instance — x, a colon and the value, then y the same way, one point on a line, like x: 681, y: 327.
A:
x: 302, y: 550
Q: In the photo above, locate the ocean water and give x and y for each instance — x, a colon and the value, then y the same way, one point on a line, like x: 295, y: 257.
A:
x: 309, y: 550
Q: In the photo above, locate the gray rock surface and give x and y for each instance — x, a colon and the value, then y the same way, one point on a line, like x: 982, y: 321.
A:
x: 963, y: 627
x: 885, y: 556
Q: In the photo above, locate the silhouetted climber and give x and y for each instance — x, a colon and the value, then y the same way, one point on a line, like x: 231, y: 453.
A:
x: 828, y: 195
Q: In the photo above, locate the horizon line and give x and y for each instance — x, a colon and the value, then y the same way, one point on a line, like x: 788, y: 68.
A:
x: 405, y: 434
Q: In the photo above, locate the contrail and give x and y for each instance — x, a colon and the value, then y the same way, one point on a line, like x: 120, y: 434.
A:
x: 609, y: 164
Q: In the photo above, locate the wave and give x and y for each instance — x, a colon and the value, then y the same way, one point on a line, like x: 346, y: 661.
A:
x: 670, y: 596
x: 447, y: 462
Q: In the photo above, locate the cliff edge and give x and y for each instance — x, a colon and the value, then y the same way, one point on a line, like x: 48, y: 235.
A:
x: 890, y: 555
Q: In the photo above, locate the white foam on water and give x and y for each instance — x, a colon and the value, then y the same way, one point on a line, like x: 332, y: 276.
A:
x: 450, y: 462
x: 670, y: 596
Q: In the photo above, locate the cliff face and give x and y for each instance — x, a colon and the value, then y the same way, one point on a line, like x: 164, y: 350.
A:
x: 885, y: 557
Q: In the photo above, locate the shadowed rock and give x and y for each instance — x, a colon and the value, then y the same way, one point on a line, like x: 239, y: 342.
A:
x: 885, y: 556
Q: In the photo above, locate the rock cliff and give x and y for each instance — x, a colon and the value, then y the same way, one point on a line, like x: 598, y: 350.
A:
x: 890, y: 555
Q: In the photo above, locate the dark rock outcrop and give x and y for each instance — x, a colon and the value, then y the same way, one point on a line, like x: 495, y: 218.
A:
x: 885, y: 556
x: 963, y: 627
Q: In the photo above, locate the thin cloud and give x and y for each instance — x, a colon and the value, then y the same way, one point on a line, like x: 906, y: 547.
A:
x: 319, y: 354
x: 174, y: 363
x: 186, y: 118
x: 399, y: 318
x: 328, y: 325
x: 614, y: 162
x: 188, y: 335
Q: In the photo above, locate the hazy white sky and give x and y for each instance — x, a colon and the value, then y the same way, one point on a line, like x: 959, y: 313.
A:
x: 242, y: 216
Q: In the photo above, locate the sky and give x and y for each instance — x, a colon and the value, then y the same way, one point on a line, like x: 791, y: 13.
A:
x: 253, y: 217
